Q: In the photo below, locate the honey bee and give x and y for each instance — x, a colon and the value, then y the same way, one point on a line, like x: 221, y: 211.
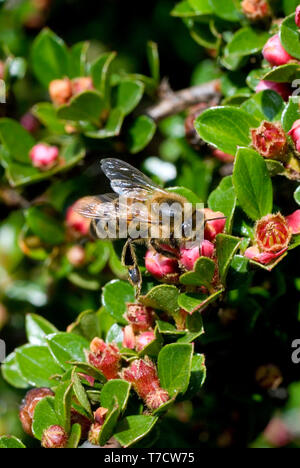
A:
x: 147, y: 207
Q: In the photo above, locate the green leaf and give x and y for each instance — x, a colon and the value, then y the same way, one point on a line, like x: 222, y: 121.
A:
x: 247, y: 41
x: 100, y: 71
x: 81, y: 393
x: 37, y: 328
x: 283, y: 74
x: 163, y: 297
x: 87, y: 106
x: 140, y: 133
x: 88, y: 325
x: 297, y: 195
x: 227, y: 246
x: 153, y: 59
x: 203, y: 34
x: 266, y: 105
x: 16, y: 140
x: 11, y: 442
x: 186, y: 193
x: 226, y: 9
x: 133, y: 428
x: 198, y: 376
x: 174, y: 367
x: 48, y: 228
x: 253, y: 184
x: 66, y: 347
x: 114, y: 298
x: 289, y: 6
x: 62, y: 404
x: 291, y: 113
x: 227, y: 128
x: 195, y: 327
x: 128, y: 94
x: 204, y: 270
x: 109, y: 426
x: 115, y: 391
x: 255, y: 77
x: 50, y: 59
x: 11, y: 372
x: 37, y: 365
x: 223, y: 199
x: 112, y: 128
x: 207, y: 70
x: 74, y: 437
x: 44, y: 417
x: 201, y: 7
x: 289, y: 36
x: 90, y: 370
x: 78, y: 57
x: 183, y: 10
x: 46, y: 113
x: 115, y: 334
x: 191, y: 302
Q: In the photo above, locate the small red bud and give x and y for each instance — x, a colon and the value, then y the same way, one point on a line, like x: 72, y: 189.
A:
x: 140, y: 317
x: 29, y: 122
x: 256, y: 10
x: 100, y: 415
x: 295, y: 134
x: 297, y: 16
x: 76, y: 256
x: 161, y: 267
x: 82, y: 84
x: 269, y: 140
x: 157, y: 398
x: 28, y: 406
x: 223, y: 157
x: 128, y: 337
x: 272, y: 233
x: 188, y: 257
x: 105, y: 357
x: 79, y: 225
x: 54, y: 437
x: 214, y: 226
x: 142, y: 374
x: 144, y: 339
x: 294, y: 222
x: 283, y: 89
x: 274, y: 52
x: 60, y: 91
x: 44, y: 157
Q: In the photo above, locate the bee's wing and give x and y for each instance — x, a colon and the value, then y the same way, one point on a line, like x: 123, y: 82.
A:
x: 128, y: 181
x: 94, y: 207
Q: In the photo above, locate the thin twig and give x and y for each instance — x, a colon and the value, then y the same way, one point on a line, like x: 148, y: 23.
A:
x: 177, y: 102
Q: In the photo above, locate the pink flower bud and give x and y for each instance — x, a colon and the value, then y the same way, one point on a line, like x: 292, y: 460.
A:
x: 43, y: 156
x: 29, y: 122
x: 213, y: 225
x: 105, y: 357
x: 128, y: 337
x: 253, y: 253
x: 32, y: 398
x: 283, y: 89
x: 188, y: 257
x: 297, y: 16
x: 269, y: 140
x: 277, y: 433
x: 100, y: 415
x: 144, y: 339
x: 272, y: 233
x: 142, y: 374
x: 79, y: 85
x: 76, y: 256
x: 223, y: 157
x: 54, y: 437
x: 294, y: 222
x: 60, y: 91
x: 157, y: 398
x: 256, y: 10
x: 140, y: 317
x: 295, y: 134
x: 76, y: 222
x: 162, y: 268
x: 274, y: 52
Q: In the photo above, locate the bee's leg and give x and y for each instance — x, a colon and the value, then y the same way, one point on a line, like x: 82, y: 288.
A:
x: 129, y: 260
x: 159, y: 245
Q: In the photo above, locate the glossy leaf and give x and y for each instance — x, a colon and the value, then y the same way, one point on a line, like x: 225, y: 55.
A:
x: 289, y: 36
x: 115, y: 391
x: 202, y: 275
x: 44, y: 417
x: 37, y: 328
x: 114, y: 298
x: 66, y: 347
x: 37, y: 365
x: 11, y: 442
x: 226, y: 247
x: 127, y: 95
x: 133, y: 428
x: 140, y: 133
x: 266, y: 105
x: 11, y: 372
x: 16, y: 139
x: 174, y: 367
x: 87, y: 106
x: 223, y: 199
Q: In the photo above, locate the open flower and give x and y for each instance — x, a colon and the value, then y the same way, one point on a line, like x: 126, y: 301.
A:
x: 269, y: 140
x: 105, y: 357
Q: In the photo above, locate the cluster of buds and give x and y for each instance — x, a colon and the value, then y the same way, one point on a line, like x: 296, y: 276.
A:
x: 273, y: 234
x: 142, y: 374
x: 283, y: 89
x: 270, y: 140
x: 44, y: 157
x: 77, y: 225
x: 28, y: 406
x: 139, y: 333
x: 275, y: 53
x: 105, y: 357
x: 99, y: 418
x: 54, y: 437
x: 61, y: 91
x: 169, y: 269
x: 256, y: 10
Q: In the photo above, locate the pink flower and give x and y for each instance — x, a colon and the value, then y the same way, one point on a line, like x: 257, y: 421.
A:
x: 253, y: 253
x: 274, y: 52
x: 293, y: 221
x: 295, y: 134
x: 140, y: 317
x: 43, y: 156
x: 272, y: 233
x: 297, y: 17
x: 223, y: 157
x: 188, y: 257
x: 144, y: 339
x: 76, y: 256
x: 76, y: 222
x: 105, y: 357
x: 283, y: 89
x: 215, y: 224
x: 161, y: 267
